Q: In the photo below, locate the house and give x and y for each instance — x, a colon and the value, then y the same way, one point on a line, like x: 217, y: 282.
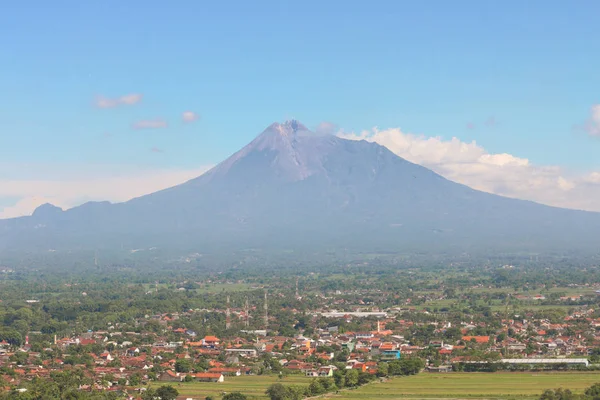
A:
x: 133, y: 351
x: 361, y: 367
x: 326, y: 371
x: 211, y: 341
x: 363, y: 335
x: 477, y: 339
x: 170, y: 376
x: 441, y: 368
x: 348, y: 346
x: 390, y: 355
x: 242, y: 352
x: 106, y: 356
x: 225, y: 371
x: 209, y: 377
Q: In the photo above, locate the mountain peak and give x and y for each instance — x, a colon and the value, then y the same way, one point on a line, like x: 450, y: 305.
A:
x: 295, y: 125
x: 294, y: 151
x: 288, y: 128
x: 280, y: 136
x: 46, y: 210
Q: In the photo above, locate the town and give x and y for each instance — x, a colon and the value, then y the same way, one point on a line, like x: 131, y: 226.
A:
x: 302, y: 331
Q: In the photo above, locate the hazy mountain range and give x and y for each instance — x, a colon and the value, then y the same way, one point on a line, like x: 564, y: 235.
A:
x: 294, y: 189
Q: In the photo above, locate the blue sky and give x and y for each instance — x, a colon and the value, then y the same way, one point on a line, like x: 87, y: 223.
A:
x: 517, y: 77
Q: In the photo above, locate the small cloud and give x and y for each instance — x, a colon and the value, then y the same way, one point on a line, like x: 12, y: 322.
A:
x: 189, y: 116
x: 592, y: 125
x: 156, y: 150
x: 107, y: 135
x: 491, y: 122
x: 128, y: 99
x: 150, y: 124
x: 326, y: 128
x: 470, y: 126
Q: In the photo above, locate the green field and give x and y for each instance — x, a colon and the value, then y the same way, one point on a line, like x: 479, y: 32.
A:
x: 423, y: 386
x: 252, y: 386
x: 472, y: 386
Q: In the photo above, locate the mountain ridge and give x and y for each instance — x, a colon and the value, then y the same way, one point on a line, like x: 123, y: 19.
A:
x: 293, y: 188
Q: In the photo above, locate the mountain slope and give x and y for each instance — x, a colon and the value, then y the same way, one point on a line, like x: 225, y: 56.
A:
x: 293, y: 189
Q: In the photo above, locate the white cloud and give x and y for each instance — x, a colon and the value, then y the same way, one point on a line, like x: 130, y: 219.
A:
x: 72, y: 186
x: 128, y: 99
x: 189, y: 116
x: 592, y: 125
x: 150, y: 124
x: 504, y: 174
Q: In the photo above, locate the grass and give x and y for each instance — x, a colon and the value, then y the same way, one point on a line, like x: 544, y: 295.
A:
x: 252, y: 386
x: 472, y: 386
x: 501, y: 385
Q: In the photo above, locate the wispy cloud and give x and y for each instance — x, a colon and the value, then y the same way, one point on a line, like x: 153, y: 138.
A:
x: 156, y: 150
x: 128, y: 99
x: 503, y: 174
x: 150, y: 124
x: 74, y: 185
x: 326, y: 128
x: 592, y: 125
x: 189, y: 116
x: 470, y: 126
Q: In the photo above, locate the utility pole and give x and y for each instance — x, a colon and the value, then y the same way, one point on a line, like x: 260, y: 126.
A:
x: 247, y: 313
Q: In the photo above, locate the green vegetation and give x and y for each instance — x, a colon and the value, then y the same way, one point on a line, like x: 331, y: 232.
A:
x: 422, y: 386
x: 254, y: 387
x: 472, y: 386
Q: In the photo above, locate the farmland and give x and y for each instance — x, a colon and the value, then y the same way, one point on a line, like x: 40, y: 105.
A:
x: 252, y: 386
x: 422, y: 386
x: 471, y: 386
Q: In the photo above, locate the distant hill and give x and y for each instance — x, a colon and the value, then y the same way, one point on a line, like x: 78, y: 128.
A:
x: 294, y: 189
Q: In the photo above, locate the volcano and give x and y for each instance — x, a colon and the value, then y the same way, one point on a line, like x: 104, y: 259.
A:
x: 291, y: 188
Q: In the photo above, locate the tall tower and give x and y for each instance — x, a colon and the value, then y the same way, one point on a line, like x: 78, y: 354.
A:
x: 297, y: 295
x: 228, y: 316
x: 96, y: 258
x: 266, y: 312
x: 247, y: 313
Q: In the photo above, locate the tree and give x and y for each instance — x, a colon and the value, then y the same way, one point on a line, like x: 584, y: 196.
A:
x: 593, y: 391
x: 135, y: 379
x: 315, y: 388
x: 339, y: 378
x: 167, y: 393
x: 149, y: 394
x: 183, y: 365
x: 558, y: 394
x: 352, y: 378
x: 235, y: 396
x: 382, y: 369
x: 277, y: 391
